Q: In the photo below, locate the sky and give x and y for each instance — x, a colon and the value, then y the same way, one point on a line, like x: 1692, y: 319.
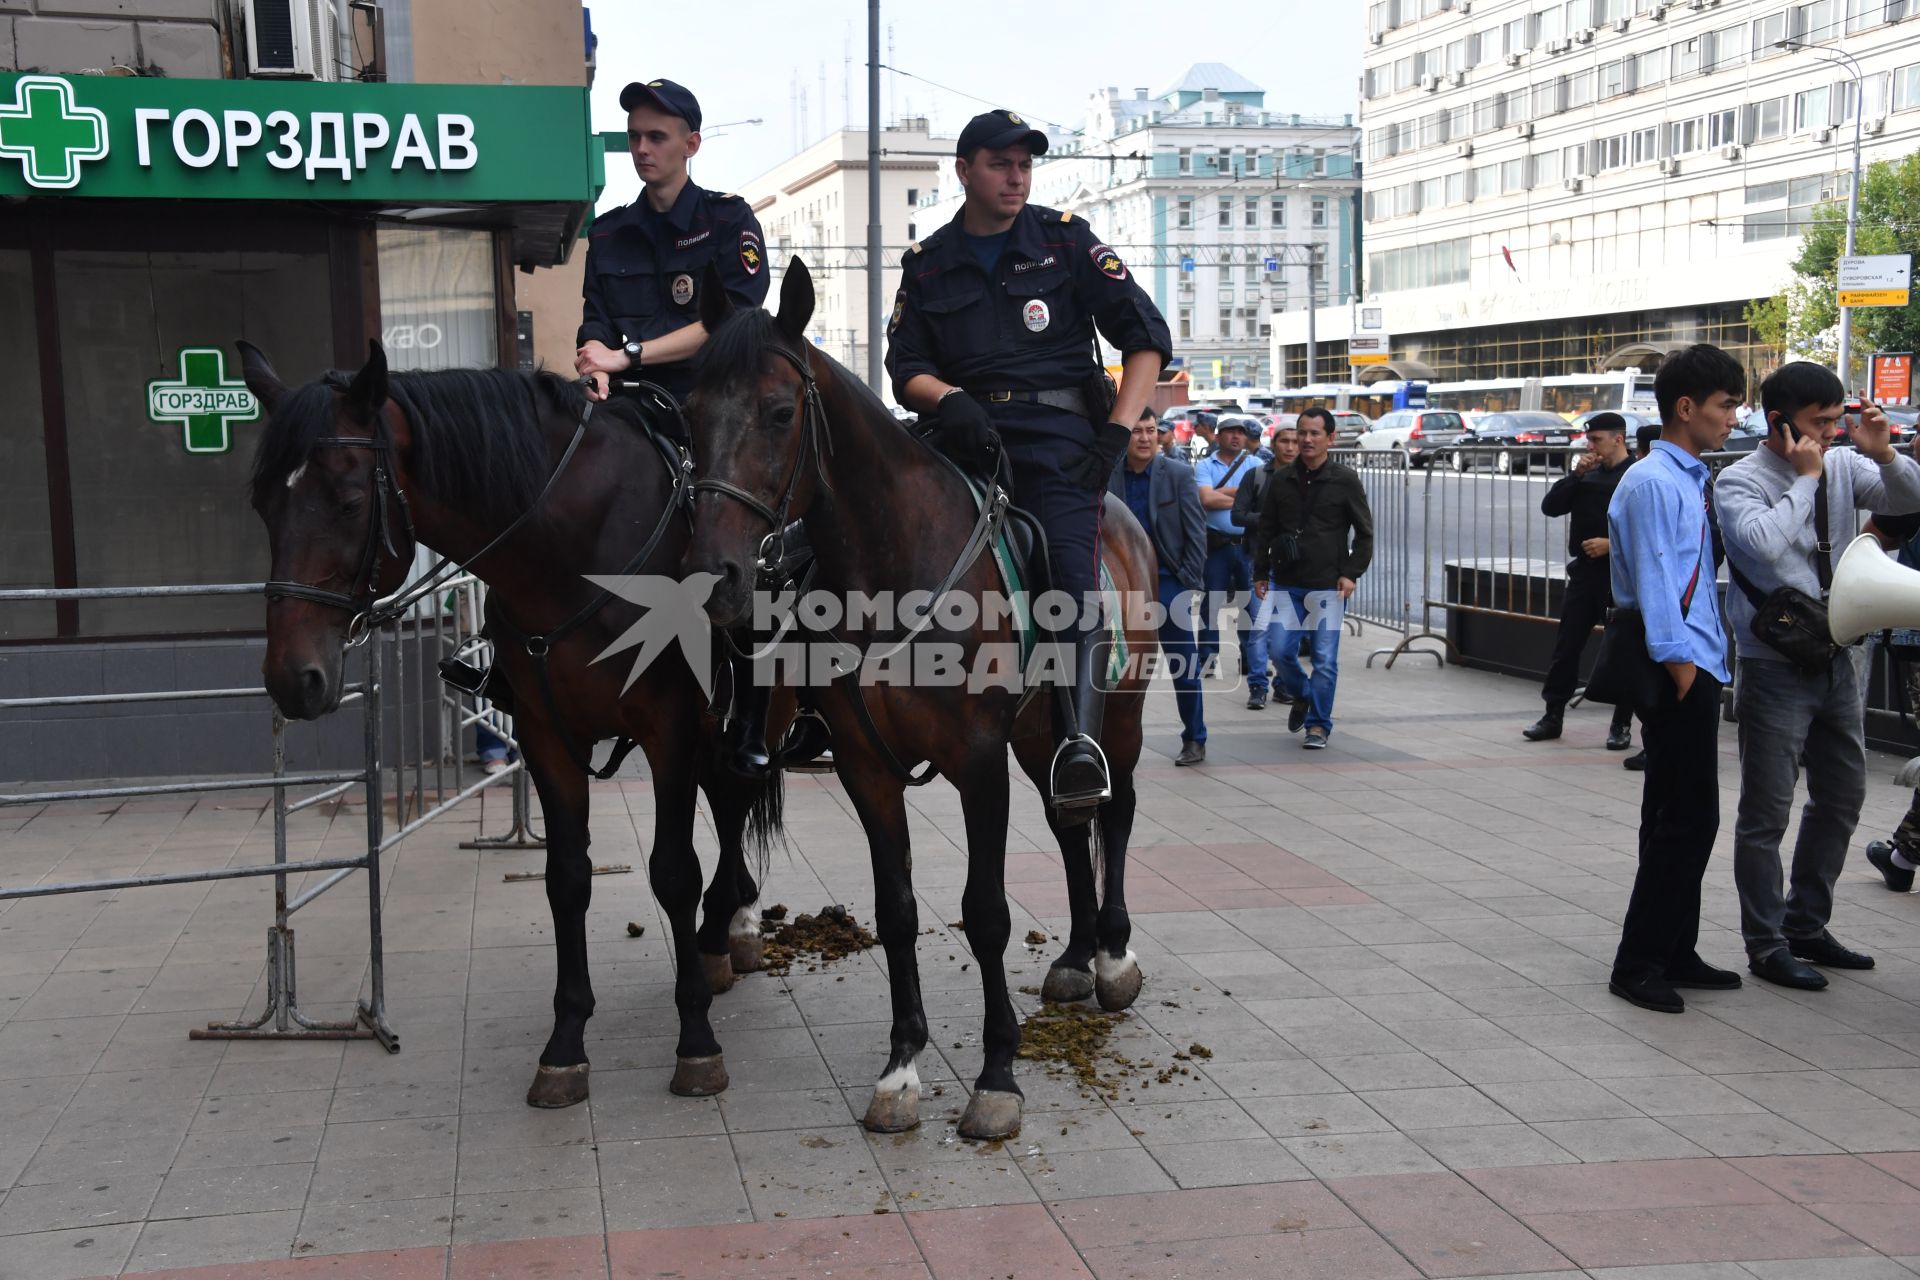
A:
x: 742, y: 60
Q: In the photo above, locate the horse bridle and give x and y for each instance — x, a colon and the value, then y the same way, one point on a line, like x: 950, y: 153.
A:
x: 813, y: 442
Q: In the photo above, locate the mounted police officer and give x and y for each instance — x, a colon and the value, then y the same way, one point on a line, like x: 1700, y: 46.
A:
x: 646, y: 262
x: 646, y: 265
x: 993, y: 334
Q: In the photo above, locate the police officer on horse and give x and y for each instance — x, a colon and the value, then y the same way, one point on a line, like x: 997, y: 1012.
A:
x: 646, y: 262
x: 992, y: 334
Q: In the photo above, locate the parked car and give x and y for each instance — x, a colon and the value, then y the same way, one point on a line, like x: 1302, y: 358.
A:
x: 1902, y: 421
x: 1746, y: 437
x: 1351, y: 424
x: 1512, y: 442
x: 1421, y: 434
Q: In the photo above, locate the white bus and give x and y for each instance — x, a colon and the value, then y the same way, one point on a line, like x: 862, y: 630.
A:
x: 1568, y: 395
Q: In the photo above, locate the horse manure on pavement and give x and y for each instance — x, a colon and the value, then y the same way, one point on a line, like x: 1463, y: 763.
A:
x: 831, y: 934
x: 635, y: 929
x: 776, y: 912
x: 1071, y: 1039
x: 1035, y: 938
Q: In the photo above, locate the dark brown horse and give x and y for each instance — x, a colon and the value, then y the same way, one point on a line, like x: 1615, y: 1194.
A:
x: 781, y: 430
x: 513, y: 476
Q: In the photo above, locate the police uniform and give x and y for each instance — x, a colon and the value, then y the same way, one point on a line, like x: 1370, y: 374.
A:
x: 1019, y: 337
x: 646, y: 269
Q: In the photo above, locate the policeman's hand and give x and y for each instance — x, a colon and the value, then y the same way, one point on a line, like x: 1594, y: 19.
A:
x: 1594, y: 548
x: 965, y: 432
x: 1346, y: 587
x: 595, y: 356
x: 1872, y: 434
x: 598, y: 391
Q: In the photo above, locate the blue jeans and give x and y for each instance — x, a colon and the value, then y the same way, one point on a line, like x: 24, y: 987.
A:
x: 1179, y: 643
x: 489, y: 745
x: 1230, y: 570
x: 1294, y: 613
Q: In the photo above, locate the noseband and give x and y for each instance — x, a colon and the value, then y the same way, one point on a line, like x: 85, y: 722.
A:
x: 813, y: 443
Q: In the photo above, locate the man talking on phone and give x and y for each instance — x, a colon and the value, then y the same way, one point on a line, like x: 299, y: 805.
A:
x: 1786, y: 510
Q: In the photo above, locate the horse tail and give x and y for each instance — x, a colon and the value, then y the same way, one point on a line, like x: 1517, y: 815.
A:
x: 766, y: 821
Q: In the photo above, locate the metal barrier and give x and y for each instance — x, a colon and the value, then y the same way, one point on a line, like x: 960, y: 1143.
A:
x: 443, y: 628
x: 1384, y: 597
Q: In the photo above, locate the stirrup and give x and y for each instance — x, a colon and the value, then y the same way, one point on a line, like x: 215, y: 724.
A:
x: 1083, y: 799
x: 817, y: 761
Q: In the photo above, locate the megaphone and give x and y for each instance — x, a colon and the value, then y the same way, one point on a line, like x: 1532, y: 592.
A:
x: 1871, y: 592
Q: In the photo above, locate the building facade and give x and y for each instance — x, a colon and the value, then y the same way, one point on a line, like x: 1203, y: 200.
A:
x: 1225, y: 210
x: 814, y: 205
x: 1568, y: 187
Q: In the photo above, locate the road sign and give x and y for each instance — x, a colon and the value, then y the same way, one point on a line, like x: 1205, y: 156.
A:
x: 1875, y: 280
x: 1186, y: 264
x: 1273, y: 264
x: 1368, y: 348
x: 1892, y: 377
x: 202, y: 400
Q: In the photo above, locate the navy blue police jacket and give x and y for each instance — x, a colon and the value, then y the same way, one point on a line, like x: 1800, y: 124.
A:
x: 645, y: 271
x: 1027, y: 326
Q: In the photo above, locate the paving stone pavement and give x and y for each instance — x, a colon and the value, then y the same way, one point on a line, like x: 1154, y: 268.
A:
x: 1396, y: 951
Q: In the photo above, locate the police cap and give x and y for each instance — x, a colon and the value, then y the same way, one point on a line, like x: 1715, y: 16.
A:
x: 996, y: 129
x: 669, y: 97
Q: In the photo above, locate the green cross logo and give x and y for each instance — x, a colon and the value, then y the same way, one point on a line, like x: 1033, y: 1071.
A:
x: 48, y: 134
x: 202, y: 400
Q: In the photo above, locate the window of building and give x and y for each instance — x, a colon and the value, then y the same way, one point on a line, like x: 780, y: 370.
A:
x: 1549, y: 26
x: 1422, y: 266
x: 1548, y: 99
x: 1721, y: 129
x: 1814, y: 22
x: 1769, y: 119
x: 1186, y: 160
x: 1513, y: 176
x: 1277, y: 211
x: 1906, y: 88
x: 1768, y: 32
x: 1251, y: 216
x: 1486, y: 182
x: 1457, y: 55
x: 1650, y: 68
x: 1686, y: 57
x: 1646, y: 145
x: 1611, y: 153
x: 1254, y: 268
x: 1515, y: 37
x: 1876, y: 96
x: 1573, y: 160
x: 1811, y: 109
x: 1862, y: 14
x: 1616, y: 78
x: 1456, y: 192
x: 1183, y: 215
x: 1486, y: 47
x: 1186, y: 322
x: 1686, y: 136
x: 1317, y: 215
x: 1459, y: 122
x: 912, y: 232
x: 1377, y: 19
x: 1486, y: 114
x: 1545, y: 167
x: 1432, y: 193
x: 913, y: 197
x: 1226, y: 322
x: 1519, y: 106
x: 1223, y: 217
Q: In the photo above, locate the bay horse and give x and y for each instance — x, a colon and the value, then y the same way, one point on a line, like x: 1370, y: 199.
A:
x: 515, y: 476
x: 780, y: 430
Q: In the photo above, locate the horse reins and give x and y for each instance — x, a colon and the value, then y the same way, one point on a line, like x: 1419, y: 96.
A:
x: 813, y: 443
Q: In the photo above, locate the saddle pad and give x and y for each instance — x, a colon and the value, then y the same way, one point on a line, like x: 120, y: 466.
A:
x: 1012, y: 577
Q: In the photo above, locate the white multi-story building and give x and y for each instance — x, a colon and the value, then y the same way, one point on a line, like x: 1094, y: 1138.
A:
x: 1564, y: 187
x: 814, y: 204
x: 1221, y: 207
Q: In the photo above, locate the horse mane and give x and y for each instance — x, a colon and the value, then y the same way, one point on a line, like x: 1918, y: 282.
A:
x: 478, y: 438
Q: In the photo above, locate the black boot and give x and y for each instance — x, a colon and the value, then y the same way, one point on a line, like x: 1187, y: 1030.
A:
x: 1620, y: 732
x: 1547, y: 726
x: 1080, y: 780
x: 745, y: 739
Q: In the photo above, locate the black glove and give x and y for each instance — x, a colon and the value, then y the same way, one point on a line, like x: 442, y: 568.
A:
x: 1110, y: 442
x: 965, y: 433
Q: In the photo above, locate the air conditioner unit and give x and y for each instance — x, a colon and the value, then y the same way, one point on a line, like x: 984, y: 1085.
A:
x: 1621, y: 24
x: 1574, y: 184
x: 1456, y: 78
x: 1464, y: 6
x: 1658, y: 13
x: 1559, y: 46
x: 1730, y: 152
x: 1583, y: 36
x: 1823, y: 135
x: 1464, y: 150
x: 1376, y: 37
x: 280, y: 40
x: 1670, y: 165
x: 1430, y: 83
x: 1524, y: 129
x: 1875, y: 127
x: 1513, y: 59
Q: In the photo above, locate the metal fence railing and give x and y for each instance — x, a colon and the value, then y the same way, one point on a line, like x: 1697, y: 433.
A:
x: 421, y: 733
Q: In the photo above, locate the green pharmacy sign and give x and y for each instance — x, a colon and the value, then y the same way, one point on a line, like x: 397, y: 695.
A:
x: 48, y: 134
x: 202, y: 400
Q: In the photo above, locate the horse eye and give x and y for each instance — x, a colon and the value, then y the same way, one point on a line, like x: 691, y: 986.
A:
x: 783, y: 415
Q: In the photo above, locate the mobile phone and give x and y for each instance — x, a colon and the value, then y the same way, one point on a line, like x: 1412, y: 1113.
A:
x: 1853, y: 407
x: 1778, y: 423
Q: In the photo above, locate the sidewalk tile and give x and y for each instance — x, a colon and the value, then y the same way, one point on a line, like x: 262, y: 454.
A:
x: 551, y: 1258
x: 989, y: 1244
x: 1445, y: 1226
x: 1736, y: 1232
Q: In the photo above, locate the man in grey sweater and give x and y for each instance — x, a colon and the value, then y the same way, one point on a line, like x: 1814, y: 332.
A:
x: 1766, y: 505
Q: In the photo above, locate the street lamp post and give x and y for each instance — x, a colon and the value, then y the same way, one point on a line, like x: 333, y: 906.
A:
x: 1846, y: 62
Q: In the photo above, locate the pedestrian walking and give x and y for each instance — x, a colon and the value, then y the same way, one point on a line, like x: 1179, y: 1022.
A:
x: 1313, y: 542
x: 1783, y: 509
x: 1660, y: 547
x: 1582, y: 496
x: 1229, y: 570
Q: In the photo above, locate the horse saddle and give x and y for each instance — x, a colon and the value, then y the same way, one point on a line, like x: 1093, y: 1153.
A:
x: 1020, y: 554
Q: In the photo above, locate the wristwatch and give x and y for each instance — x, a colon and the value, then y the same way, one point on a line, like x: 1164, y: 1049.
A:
x: 633, y: 355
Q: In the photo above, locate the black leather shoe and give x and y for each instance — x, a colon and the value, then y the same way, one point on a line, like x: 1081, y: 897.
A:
x: 1649, y: 993
x: 1880, y: 854
x: 1619, y: 739
x: 1545, y: 728
x: 1823, y: 950
x: 1781, y: 969
x: 1297, y: 715
x: 1696, y: 974
x: 1637, y: 762
x: 1257, y: 700
x: 1191, y: 753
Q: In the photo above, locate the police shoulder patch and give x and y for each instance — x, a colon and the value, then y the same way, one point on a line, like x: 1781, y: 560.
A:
x: 752, y: 256
x: 1108, y: 261
x: 914, y: 247
x: 899, y: 309
x: 1065, y: 216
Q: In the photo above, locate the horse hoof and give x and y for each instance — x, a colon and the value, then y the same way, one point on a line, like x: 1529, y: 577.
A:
x: 719, y: 970
x: 746, y: 951
x: 699, y: 1077
x: 893, y: 1110
x: 1116, y: 982
x: 1066, y: 984
x: 558, y: 1086
x: 990, y: 1114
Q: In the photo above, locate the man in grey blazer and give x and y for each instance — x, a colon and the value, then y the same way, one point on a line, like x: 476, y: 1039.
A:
x: 1161, y: 493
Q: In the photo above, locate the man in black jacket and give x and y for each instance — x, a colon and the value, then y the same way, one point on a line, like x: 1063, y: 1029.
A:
x: 1314, y: 540
x: 1582, y: 495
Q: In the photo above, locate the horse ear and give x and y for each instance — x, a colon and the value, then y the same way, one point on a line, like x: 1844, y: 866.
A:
x: 715, y: 305
x: 796, y: 299
x: 260, y: 377
x: 369, y: 389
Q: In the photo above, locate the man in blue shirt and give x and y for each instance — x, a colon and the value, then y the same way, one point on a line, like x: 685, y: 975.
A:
x: 1160, y: 492
x: 1662, y: 549
x: 1229, y: 568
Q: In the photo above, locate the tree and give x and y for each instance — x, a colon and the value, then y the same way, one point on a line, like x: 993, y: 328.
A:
x: 1805, y: 316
